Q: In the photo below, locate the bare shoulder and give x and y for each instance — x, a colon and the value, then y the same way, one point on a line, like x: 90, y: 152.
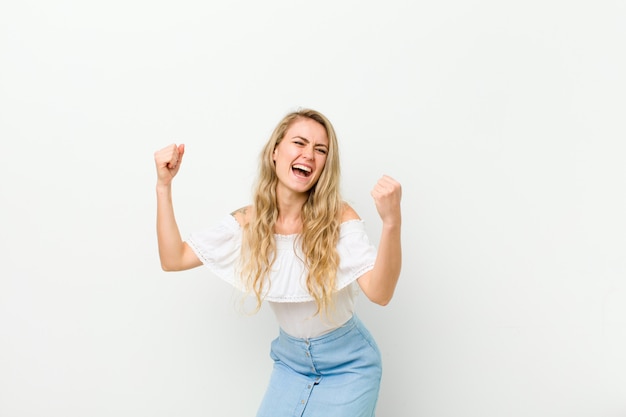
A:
x: 349, y: 213
x: 242, y: 215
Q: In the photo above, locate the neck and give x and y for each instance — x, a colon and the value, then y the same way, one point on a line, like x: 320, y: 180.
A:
x: 289, y: 219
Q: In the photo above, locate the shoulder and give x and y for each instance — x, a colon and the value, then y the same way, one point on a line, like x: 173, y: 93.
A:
x: 243, y: 215
x: 349, y: 213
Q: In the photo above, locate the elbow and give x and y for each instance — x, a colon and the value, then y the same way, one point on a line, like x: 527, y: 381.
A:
x: 381, y: 300
x: 169, y: 267
x: 170, y: 263
x: 384, y: 303
x: 376, y: 292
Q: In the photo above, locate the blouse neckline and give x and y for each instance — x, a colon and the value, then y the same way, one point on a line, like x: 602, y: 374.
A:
x: 292, y: 236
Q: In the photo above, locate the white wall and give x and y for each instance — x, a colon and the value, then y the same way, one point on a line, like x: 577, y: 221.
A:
x: 504, y: 121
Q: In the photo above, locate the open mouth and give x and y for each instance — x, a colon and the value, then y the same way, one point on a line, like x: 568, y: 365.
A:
x: 301, y: 171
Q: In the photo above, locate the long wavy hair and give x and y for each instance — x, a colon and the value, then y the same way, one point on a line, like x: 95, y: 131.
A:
x: 321, y: 219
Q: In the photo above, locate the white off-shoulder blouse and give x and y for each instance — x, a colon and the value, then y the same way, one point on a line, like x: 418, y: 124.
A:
x: 219, y: 249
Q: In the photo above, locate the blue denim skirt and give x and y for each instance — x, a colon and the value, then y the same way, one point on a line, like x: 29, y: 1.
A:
x: 334, y: 375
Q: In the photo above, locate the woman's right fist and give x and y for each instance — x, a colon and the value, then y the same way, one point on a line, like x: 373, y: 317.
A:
x: 168, y: 162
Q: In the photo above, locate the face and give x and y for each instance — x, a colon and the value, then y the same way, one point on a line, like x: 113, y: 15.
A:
x: 301, y: 155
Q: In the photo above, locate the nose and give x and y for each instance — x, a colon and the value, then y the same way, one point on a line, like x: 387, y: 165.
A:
x: 307, y: 152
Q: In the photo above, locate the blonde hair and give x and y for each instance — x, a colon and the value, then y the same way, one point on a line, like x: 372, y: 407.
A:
x: 321, y: 219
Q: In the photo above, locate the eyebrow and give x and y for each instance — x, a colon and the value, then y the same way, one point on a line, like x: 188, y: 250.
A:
x: 308, y: 141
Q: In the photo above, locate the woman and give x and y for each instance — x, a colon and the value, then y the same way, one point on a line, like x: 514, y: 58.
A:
x: 303, y: 250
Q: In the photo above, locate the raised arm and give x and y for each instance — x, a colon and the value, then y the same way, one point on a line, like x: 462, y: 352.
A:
x: 175, y: 254
x: 379, y: 284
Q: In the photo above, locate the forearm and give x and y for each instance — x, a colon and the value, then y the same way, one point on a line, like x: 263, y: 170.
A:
x: 171, y: 246
x: 379, y: 284
x: 384, y: 276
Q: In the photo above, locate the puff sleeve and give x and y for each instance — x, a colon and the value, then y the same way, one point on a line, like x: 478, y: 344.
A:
x: 356, y: 253
x: 218, y: 248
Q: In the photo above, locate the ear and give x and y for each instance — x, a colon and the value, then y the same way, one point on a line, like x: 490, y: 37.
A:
x: 274, y: 154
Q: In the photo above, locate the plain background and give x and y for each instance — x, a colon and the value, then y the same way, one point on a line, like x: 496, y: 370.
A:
x: 504, y: 121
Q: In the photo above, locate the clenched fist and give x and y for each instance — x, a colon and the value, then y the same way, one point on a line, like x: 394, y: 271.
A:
x: 387, y: 194
x: 168, y: 162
